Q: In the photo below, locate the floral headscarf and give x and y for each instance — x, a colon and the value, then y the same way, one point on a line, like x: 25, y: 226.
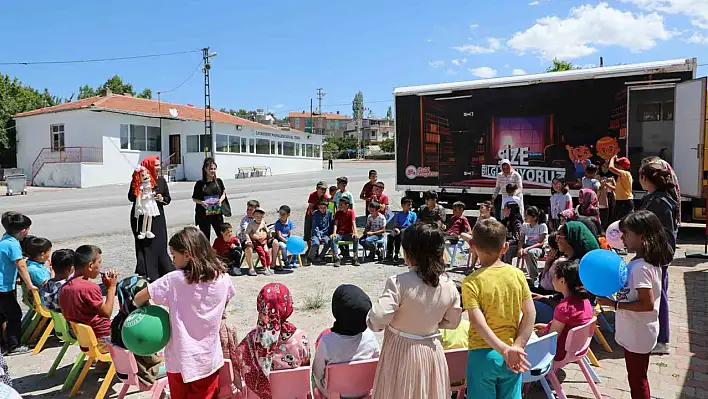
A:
x: 569, y: 214
x: 257, y: 350
x: 587, y: 198
x: 149, y: 164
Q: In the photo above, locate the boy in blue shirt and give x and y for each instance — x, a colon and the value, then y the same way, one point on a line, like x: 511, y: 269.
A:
x: 38, y: 250
x: 283, y: 228
x: 11, y: 264
x: 321, y: 230
x: 401, y: 221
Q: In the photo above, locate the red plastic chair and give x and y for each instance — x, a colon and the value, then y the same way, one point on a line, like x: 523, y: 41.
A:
x: 125, y: 365
x: 353, y: 379
x: 457, y: 367
x: 577, y: 345
x: 288, y: 384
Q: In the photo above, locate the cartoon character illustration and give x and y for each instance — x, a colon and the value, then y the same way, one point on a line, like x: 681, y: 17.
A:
x: 580, y: 156
x: 607, y: 147
x: 145, y: 203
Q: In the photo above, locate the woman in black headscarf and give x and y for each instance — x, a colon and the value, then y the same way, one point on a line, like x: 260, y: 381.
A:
x: 349, y: 338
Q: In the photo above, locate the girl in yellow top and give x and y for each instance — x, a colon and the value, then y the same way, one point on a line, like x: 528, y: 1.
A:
x: 624, y: 199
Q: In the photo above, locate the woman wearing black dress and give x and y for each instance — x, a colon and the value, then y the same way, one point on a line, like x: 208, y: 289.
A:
x: 152, y: 259
x: 208, y: 195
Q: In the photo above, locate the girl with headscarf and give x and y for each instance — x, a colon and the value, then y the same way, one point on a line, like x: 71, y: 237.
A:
x: 152, y: 259
x: 275, y: 343
x: 349, y: 338
x: 588, y: 203
x: 508, y: 176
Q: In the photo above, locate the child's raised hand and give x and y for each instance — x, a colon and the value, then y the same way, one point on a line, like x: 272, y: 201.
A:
x: 515, y: 358
x: 110, y: 278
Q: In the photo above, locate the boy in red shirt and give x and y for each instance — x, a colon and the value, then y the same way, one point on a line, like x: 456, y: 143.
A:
x: 81, y: 300
x: 345, y: 230
x: 458, y: 223
x: 379, y: 197
x: 368, y: 190
x: 228, y: 247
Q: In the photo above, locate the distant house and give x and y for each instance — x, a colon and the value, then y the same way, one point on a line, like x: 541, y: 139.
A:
x: 373, y: 131
x: 100, y: 140
x: 326, y: 123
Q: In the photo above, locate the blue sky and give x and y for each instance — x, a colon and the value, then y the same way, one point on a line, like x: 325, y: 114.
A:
x: 275, y: 54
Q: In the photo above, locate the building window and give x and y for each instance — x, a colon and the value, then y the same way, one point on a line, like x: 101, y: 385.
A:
x: 252, y: 146
x: 222, y: 143
x: 273, y: 147
x: 308, y: 148
x: 57, y: 137
x: 196, y: 143
x: 316, y: 151
x: 140, y: 138
x: 297, y: 149
x: 280, y: 148
x: 234, y: 144
x: 244, y: 145
x: 262, y: 146
x: 297, y: 123
x: 288, y: 148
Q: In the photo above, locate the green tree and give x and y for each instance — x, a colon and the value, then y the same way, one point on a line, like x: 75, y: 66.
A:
x: 389, y: 113
x: 86, y: 91
x: 358, y: 105
x: 330, y: 148
x: 146, y: 93
x: 116, y: 85
x: 559, y: 66
x: 388, y: 145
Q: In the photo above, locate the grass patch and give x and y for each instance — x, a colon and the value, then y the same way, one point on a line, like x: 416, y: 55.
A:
x: 316, y: 299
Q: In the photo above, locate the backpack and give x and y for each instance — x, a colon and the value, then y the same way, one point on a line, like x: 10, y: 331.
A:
x: 126, y: 291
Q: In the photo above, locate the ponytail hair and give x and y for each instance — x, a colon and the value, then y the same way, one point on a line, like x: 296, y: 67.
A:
x: 569, y: 270
x: 658, y: 175
x: 537, y: 213
x: 424, y: 246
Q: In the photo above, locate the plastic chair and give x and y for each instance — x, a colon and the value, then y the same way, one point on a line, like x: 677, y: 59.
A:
x: 540, y: 354
x: 353, y: 379
x: 46, y: 319
x: 576, y: 345
x: 35, y: 322
x: 226, y: 381
x: 89, y: 345
x: 457, y: 368
x: 63, y: 332
x: 599, y: 337
x: 125, y: 365
x: 288, y: 384
x: 379, y: 244
x: 451, y: 250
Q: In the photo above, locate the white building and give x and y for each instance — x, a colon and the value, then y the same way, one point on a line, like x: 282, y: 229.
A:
x: 374, y: 130
x: 100, y: 140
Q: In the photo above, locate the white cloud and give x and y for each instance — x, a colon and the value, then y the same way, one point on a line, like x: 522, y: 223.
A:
x: 450, y: 71
x: 697, y: 38
x: 493, y: 45
x: 696, y: 9
x: 517, y: 72
x: 459, y: 61
x: 428, y: 40
x: 474, y: 26
x: 588, y: 27
x: 483, y: 72
x: 534, y: 3
x: 437, y: 63
x: 278, y: 106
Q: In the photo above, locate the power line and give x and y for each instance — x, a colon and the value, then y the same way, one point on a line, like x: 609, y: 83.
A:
x: 133, y: 57
x: 184, y: 81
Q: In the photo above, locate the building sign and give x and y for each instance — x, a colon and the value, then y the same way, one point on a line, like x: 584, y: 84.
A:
x: 541, y: 176
x: 278, y: 135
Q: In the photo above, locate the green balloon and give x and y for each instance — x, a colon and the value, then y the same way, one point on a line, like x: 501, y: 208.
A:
x: 146, y: 331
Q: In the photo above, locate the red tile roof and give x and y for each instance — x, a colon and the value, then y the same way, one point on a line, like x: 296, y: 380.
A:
x: 142, y: 106
x: 326, y: 115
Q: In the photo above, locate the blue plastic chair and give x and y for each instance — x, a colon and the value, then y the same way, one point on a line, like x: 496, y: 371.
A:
x: 540, y: 354
x: 452, y: 250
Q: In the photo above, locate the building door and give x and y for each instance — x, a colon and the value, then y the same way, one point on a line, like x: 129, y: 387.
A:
x: 175, y: 150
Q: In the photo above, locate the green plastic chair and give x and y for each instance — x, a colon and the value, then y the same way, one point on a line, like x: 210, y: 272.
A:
x: 32, y: 318
x: 63, y: 332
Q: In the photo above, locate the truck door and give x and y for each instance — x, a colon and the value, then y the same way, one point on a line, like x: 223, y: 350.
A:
x: 689, y: 135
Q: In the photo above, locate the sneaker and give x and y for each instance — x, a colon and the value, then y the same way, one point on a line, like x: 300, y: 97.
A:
x: 356, y: 262
x: 252, y: 272
x: 396, y: 261
x: 235, y: 271
x: 337, y: 261
x: 294, y: 265
x: 661, y: 349
x: 18, y: 350
x: 379, y: 254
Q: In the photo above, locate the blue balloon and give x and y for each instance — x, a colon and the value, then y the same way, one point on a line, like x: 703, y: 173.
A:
x: 603, y: 272
x: 296, y: 245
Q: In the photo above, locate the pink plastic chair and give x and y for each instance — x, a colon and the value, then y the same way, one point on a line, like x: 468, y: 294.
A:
x: 577, y: 345
x: 457, y: 367
x: 288, y: 384
x: 354, y: 379
x: 226, y: 381
x: 125, y: 365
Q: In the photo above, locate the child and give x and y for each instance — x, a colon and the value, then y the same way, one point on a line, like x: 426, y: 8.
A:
x: 432, y: 212
x: 574, y: 309
x: 342, y: 191
x: 368, y: 190
x: 495, y: 297
x: 411, y: 309
x: 606, y: 198
x: 512, y: 195
x: 313, y: 201
x: 345, y: 230
x: 379, y: 197
x: 513, y: 221
x: 485, y: 213
x: 459, y: 224
x: 321, y: 228
x: 560, y: 200
x: 246, y: 243
x: 460, y: 336
x: 81, y: 300
x: 349, y: 338
x: 12, y: 263
x: 624, y: 198
x: 258, y: 233
x: 63, y: 267
x: 195, y: 295
x: 150, y: 367
x: 331, y: 205
x: 283, y: 228
x: 533, y: 237
x: 38, y: 250
x: 637, y: 304
x: 590, y: 179
x: 373, y: 232
x: 229, y: 248
x: 403, y: 219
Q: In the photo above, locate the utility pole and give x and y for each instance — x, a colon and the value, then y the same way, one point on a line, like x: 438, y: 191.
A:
x: 312, y: 119
x: 208, y: 125
x: 320, y: 95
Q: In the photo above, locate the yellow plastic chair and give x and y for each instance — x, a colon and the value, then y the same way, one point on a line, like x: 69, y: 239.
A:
x: 598, y: 333
x: 89, y: 345
x: 46, y: 319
